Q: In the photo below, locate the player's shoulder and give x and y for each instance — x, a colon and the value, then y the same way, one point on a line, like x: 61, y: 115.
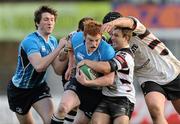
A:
x: 77, y: 35
x: 77, y: 38
x: 104, y: 43
x: 105, y: 46
x: 126, y: 54
x: 32, y: 37
x: 106, y: 50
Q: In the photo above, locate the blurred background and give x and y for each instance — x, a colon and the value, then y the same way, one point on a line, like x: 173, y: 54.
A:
x: 16, y: 21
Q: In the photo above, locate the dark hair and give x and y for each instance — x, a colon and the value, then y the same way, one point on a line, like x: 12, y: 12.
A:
x: 126, y: 31
x: 43, y: 9
x: 111, y: 16
x: 81, y: 23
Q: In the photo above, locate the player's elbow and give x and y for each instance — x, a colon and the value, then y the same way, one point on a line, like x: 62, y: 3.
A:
x: 59, y: 67
x: 111, y: 81
x: 40, y: 68
x: 63, y: 56
x: 106, y: 69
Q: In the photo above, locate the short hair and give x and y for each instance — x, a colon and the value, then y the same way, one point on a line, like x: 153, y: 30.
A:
x: 81, y: 23
x: 43, y: 9
x: 92, y: 28
x: 126, y: 31
x: 111, y: 16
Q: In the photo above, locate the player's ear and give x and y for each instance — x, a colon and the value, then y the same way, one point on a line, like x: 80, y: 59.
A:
x: 126, y: 37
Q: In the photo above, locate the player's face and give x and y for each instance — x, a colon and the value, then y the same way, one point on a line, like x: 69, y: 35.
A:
x: 46, y: 24
x: 92, y: 42
x: 117, y: 39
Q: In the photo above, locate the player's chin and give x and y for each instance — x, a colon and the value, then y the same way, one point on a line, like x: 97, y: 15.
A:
x: 49, y: 31
x: 93, y: 48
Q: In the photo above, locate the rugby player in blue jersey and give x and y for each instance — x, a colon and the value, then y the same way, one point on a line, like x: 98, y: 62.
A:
x: 118, y: 102
x: 63, y: 56
x: 28, y: 87
x: 85, y: 45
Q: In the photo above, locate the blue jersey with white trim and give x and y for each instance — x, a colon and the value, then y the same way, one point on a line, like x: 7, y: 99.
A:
x: 104, y: 51
x: 26, y: 76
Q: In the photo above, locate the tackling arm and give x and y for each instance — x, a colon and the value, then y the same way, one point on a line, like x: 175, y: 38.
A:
x: 98, y: 66
x: 41, y: 63
x: 123, y: 22
x: 105, y: 80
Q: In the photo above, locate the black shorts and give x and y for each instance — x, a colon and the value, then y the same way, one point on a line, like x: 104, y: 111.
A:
x: 170, y: 90
x: 115, y: 106
x: 89, y: 98
x: 20, y: 100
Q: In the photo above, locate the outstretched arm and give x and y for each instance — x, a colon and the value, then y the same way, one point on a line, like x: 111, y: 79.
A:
x: 71, y: 65
x: 41, y: 63
x: 123, y: 22
x: 60, y: 62
x: 63, y: 54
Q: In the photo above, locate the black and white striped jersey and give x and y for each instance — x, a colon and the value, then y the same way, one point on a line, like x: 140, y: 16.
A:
x: 123, y: 65
x: 153, y: 60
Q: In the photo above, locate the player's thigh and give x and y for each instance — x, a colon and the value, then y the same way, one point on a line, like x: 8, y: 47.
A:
x: 25, y: 119
x: 45, y: 108
x: 154, y: 95
x: 176, y: 104
x: 100, y: 118
x: 124, y: 119
x: 155, y: 101
x: 81, y: 118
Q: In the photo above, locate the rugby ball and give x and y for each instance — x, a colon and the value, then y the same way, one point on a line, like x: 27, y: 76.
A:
x: 89, y: 73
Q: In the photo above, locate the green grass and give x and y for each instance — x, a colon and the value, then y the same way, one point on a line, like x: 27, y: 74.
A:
x: 16, y: 19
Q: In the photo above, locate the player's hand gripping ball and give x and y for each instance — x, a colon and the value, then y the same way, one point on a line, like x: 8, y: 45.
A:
x: 89, y: 73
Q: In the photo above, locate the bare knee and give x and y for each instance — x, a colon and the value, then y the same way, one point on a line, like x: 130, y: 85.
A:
x: 25, y: 119
x: 95, y: 122
x: 155, y: 112
x: 63, y: 109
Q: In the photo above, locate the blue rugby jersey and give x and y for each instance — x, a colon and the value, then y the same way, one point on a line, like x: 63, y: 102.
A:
x: 26, y: 76
x: 104, y: 51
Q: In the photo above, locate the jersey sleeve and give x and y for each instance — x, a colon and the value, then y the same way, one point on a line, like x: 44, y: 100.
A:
x: 138, y: 27
x: 149, y: 39
x: 121, y: 61
x: 30, y: 46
